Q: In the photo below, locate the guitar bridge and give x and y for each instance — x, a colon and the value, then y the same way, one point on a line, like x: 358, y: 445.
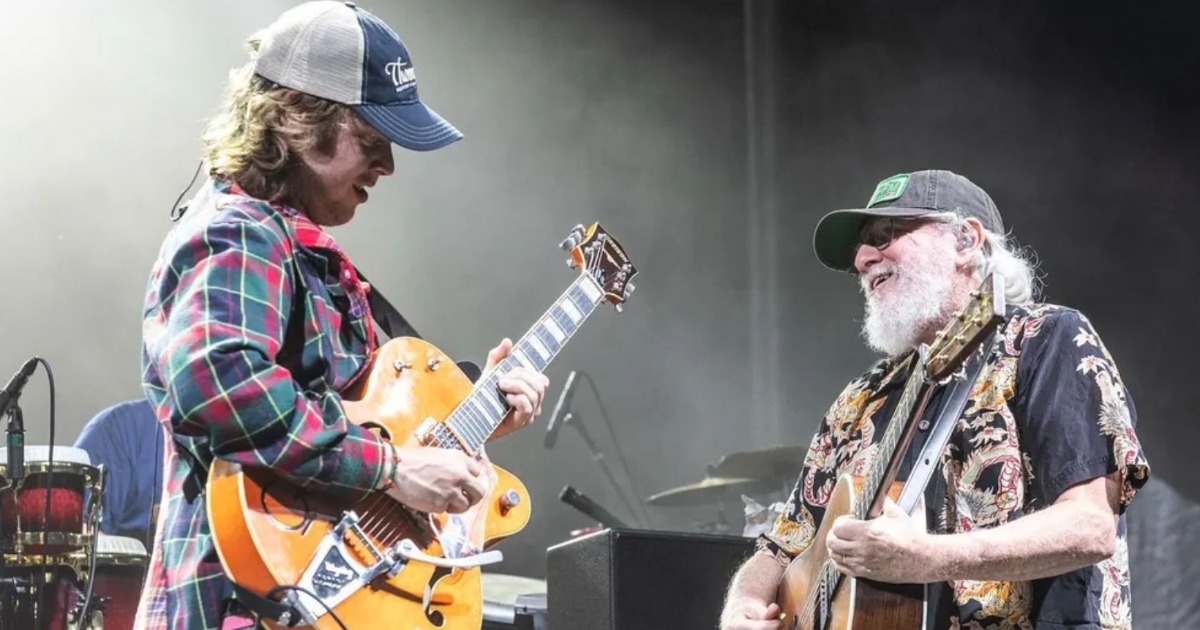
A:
x: 337, y: 569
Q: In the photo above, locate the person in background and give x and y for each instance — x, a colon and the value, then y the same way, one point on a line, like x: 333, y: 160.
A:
x: 127, y: 440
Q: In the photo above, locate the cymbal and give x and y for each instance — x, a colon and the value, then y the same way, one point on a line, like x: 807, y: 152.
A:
x: 711, y: 490
x: 774, y: 464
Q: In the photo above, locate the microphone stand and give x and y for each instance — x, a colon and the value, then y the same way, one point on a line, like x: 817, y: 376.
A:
x: 14, y: 474
x: 572, y: 419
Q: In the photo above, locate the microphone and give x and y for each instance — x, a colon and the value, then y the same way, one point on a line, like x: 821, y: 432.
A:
x: 16, y: 426
x: 556, y: 418
x: 585, y: 504
x: 12, y: 391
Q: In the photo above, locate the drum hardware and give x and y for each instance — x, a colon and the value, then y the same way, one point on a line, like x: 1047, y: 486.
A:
x: 754, y: 473
x: 49, y: 517
x: 513, y: 602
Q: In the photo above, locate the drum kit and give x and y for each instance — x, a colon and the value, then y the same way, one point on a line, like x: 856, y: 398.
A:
x: 770, y: 472
x: 57, y: 571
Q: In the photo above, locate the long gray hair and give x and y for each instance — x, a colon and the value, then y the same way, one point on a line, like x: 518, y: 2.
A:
x: 1002, y: 254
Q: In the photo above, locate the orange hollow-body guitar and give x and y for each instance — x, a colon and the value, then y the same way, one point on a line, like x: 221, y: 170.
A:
x: 374, y: 562
x: 813, y: 594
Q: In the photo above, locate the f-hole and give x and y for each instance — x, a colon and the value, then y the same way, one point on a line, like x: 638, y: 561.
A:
x: 435, y: 617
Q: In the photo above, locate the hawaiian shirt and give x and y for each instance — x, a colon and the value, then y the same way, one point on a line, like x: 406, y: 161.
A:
x: 1048, y: 411
x: 254, y: 320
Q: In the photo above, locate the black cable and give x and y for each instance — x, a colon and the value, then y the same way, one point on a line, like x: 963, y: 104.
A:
x: 283, y: 587
x: 176, y: 211
x: 91, y: 581
x: 49, y: 455
x: 617, y: 445
x: 156, y: 492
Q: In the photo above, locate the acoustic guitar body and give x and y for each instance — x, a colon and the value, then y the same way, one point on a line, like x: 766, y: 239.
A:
x: 268, y: 531
x: 855, y: 604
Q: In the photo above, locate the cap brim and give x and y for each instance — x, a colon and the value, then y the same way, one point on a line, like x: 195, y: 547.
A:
x: 836, y: 238
x: 411, y: 125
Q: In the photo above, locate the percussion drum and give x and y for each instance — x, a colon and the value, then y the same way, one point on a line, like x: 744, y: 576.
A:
x: 120, y: 571
x: 57, y: 586
x: 72, y: 492
x: 512, y: 602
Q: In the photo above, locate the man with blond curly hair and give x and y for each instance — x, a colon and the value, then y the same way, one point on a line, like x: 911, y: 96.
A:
x: 256, y: 320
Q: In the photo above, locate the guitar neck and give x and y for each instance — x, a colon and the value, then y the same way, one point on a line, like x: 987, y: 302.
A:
x: 471, y: 424
x: 895, y: 441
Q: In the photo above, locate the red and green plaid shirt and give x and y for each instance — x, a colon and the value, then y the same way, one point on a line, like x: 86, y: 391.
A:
x: 254, y: 321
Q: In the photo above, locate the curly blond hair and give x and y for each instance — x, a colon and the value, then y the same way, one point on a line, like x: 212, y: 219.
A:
x: 262, y: 128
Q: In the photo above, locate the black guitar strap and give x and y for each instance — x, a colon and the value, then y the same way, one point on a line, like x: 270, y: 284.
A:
x: 390, y: 321
x: 394, y: 325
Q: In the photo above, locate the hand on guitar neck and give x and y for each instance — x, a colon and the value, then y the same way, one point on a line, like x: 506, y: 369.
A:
x: 523, y: 389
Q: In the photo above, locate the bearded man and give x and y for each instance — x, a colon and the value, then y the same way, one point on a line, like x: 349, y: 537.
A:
x: 1026, y: 527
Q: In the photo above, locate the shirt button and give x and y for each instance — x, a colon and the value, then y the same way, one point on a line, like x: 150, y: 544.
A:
x: 923, y: 425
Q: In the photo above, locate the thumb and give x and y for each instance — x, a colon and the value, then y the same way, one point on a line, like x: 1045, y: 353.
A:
x: 773, y: 611
x: 497, y: 354
x: 891, y: 509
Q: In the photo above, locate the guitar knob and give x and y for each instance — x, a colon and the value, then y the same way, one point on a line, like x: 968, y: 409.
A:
x: 509, y: 500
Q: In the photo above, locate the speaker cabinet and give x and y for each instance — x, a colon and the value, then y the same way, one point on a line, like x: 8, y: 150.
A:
x: 623, y: 579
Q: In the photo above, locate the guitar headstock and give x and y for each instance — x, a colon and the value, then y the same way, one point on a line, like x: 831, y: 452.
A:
x: 599, y: 255
x: 959, y: 339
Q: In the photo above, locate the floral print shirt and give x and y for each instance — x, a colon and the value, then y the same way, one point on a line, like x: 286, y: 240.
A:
x: 1048, y: 411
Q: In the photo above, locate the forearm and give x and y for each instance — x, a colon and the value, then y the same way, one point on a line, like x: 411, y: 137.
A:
x: 1061, y: 538
x: 757, y: 579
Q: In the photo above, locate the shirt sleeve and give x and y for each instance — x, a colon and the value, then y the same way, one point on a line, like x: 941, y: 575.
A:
x: 227, y: 323
x: 1074, y: 412
x: 98, y: 440
x: 796, y: 526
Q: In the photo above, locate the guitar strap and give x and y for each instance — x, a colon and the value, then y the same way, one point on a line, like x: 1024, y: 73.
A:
x: 943, y: 428
x: 390, y: 321
x: 395, y: 325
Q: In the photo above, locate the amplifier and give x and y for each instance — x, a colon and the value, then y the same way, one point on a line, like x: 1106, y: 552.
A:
x: 625, y: 579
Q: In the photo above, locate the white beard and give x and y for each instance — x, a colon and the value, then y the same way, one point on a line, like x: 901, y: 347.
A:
x: 916, y: 302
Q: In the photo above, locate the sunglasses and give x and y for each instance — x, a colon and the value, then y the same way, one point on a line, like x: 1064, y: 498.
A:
x: 882, y: 231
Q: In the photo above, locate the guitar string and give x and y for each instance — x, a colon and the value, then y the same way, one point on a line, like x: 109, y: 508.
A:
x: 383, y: 518
x: 829, y: 574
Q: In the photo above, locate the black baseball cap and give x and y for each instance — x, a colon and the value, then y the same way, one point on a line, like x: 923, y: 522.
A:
x: 913, y: 194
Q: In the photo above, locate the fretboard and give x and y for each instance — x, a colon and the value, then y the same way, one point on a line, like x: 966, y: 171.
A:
x: 901, y: 416
x: 474, y: 420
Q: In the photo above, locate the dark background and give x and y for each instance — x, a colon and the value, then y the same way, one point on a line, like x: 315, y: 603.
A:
x: 709, y: 144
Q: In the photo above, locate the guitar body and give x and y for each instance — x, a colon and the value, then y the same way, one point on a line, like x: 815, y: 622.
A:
x: 855, y: 604
x: 267, y: 530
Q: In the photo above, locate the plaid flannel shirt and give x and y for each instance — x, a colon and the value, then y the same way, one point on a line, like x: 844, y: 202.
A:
x: 254, y: 321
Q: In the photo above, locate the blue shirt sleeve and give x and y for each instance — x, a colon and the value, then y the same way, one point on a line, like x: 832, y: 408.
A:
x: 127, y: 440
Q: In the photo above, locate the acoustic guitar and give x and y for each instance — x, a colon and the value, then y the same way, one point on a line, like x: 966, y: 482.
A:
x: 375, y: 562
x: 813, y: 594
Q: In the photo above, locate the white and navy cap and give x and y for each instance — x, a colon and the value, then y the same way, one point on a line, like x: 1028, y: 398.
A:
x: 342, y: 53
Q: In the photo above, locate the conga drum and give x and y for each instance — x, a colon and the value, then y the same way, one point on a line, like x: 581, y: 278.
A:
x: 69, y: 486
x: 120, y: 571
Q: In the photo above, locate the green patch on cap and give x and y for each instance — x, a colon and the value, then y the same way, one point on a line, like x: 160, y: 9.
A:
x: 889, y: 189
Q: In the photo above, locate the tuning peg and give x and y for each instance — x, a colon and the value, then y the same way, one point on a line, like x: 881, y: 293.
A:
x: 572, y: 264
x: 629, y: 288
x: 618, y: 307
